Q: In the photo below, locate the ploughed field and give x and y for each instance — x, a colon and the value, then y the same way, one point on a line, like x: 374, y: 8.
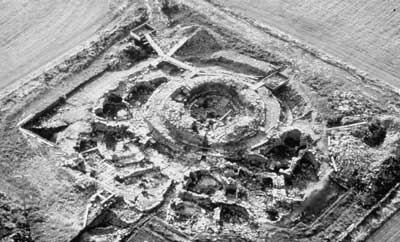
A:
x: 363, y: 33
x: 388, y: 232
x: 34, y: 33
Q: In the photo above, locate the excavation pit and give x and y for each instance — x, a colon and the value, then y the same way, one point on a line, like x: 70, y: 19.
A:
x: 175, y: 123
x: 211, y: 112
x: 113, y: 108
x: 213, y: 102
x: 141, y: 91
x: 234, y: 214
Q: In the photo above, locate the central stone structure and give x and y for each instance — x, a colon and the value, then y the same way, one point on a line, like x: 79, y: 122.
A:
x: 211, y: 112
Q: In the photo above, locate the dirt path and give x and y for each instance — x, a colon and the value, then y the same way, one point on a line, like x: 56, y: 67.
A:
x: 33, y: 33
x: 361, y: 33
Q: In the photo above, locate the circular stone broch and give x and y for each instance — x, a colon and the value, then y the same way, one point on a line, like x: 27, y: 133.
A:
x: 211, y: 112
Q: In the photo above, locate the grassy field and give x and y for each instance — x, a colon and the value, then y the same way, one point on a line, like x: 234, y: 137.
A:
x: 363, y: 33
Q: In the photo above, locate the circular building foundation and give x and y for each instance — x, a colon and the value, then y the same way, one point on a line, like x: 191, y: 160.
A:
x: 211, y: 112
